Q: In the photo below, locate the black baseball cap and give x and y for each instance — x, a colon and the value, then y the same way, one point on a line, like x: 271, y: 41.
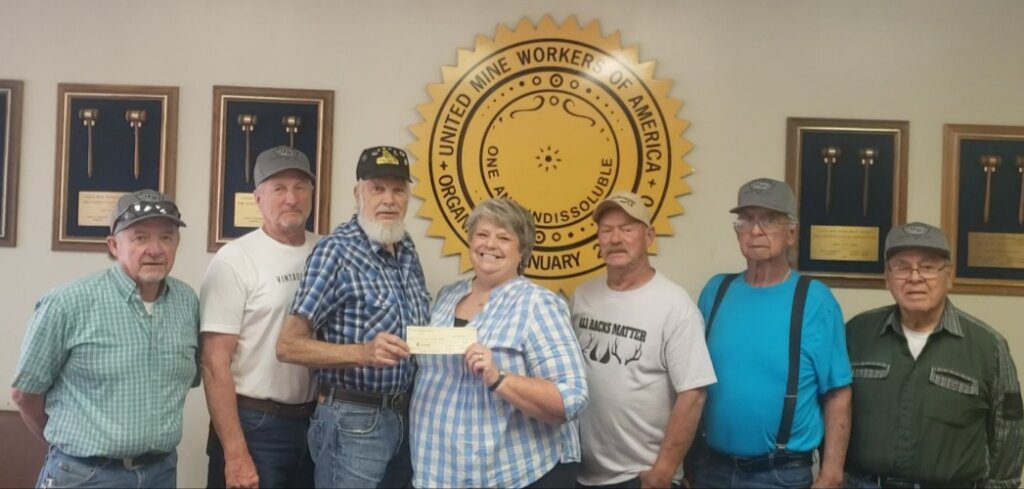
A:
x: 383, y: 161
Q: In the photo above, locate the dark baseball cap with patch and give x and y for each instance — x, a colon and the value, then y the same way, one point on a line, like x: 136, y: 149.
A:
x: 769, y: 194
x: 383, y: 161
x: 278, y: 159
x: 143, y: 204
x: 916, y: 236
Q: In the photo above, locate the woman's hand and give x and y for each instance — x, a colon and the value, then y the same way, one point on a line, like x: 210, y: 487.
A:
x: 480, y: 361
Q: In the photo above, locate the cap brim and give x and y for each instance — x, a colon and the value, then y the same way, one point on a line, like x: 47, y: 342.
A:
x: 127, y: 224
x: 385, y: 171
x: 896, y: 249
x: 300, y: 170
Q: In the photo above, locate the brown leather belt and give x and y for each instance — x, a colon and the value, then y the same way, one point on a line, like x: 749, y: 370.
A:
x: 129, y: 463
x: 330, y: 393
x: 276, y: 408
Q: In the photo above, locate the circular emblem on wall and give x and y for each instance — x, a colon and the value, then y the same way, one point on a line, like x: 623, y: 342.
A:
x: 555, y: 117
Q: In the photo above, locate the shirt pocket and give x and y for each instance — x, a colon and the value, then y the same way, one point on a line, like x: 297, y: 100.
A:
x: 955, y: 397
x: 177, y: 348
x: 869, y: 370
x: 382, y: 314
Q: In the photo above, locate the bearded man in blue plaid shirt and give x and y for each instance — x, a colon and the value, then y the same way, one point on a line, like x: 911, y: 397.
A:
x: 107, y: 359
x: 363, y: 284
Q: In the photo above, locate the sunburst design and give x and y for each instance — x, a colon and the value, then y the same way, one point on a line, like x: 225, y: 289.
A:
x: 548, y: 159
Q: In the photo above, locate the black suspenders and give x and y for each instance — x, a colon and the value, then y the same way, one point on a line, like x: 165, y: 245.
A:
x: 796, y: 324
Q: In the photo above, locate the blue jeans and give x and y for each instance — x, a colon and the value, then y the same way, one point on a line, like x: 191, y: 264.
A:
x: 278, y: 448
x: 712, y: 472
x: 63, y: 470
x: 355, y: 445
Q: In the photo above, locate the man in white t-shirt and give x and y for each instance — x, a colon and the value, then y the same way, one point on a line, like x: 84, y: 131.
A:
x: 259, y: 407
x: 647, y: 363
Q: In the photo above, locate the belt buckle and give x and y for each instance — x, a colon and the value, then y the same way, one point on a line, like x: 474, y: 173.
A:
x: 744, y: 463
x: 393, y: 401
x: 129, y: 463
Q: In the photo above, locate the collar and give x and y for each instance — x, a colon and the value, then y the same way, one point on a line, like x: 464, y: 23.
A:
x: 466, y: 286
x: 948, y: 322
x: 127, y: 287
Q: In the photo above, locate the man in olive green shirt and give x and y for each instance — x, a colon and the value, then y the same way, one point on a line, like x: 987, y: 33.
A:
x: 936, y: 400
x: 107, y: 359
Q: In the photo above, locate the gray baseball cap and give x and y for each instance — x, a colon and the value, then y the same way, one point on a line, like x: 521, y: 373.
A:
x: 143, y: 204
x: 916, y: 236
x: 769, y: 194
x: 278, y: 159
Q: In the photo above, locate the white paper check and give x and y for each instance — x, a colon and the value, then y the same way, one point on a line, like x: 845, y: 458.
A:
x: 432, y: 340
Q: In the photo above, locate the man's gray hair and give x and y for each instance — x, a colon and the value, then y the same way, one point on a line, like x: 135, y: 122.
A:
x: 511, y: 216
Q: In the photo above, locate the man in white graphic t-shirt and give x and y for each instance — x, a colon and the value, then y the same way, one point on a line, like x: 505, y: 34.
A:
x: 647, y: 363
x: 259, y: 407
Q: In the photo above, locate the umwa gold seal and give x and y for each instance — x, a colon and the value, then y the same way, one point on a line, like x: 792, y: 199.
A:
x: 555, y: 117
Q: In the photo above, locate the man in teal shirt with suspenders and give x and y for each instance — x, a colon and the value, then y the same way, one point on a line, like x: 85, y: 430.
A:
x: 777, y: 342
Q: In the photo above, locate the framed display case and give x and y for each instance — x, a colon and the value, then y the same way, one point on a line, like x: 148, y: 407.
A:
x: 850, y: 179
x: 983, y: 207
x: 111, y: 139
x: 10, y: 152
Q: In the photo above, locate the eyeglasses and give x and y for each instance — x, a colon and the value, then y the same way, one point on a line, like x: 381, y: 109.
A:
x: 767, y: 223
x: 927, y: 271
x: 148, y: 209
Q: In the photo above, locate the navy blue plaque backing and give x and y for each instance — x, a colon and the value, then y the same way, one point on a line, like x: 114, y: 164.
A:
x: 113, y: 147
x: 267, y: 134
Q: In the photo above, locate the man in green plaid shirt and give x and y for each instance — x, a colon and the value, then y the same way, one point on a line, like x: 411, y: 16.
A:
x: 107, y: 359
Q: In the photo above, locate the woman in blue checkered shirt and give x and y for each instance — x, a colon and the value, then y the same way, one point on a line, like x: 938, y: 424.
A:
x: 503, y: 414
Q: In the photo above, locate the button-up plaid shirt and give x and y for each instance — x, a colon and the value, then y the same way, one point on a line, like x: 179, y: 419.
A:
x: 463, y: 435
x: 115, y: 377
x: 352, y: 290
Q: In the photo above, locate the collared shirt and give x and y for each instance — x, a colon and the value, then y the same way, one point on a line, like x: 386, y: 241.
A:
x: 115, y: 377
x: 954, y: 414
x: 463, y: 435
x: 352, y: 290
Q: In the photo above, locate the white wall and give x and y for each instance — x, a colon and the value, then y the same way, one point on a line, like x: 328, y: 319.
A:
x: 741, y: 67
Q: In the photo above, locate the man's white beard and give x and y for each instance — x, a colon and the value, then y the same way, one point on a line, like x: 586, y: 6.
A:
x: 381, y: 232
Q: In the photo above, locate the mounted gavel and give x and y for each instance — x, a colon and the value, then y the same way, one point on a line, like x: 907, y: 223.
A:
x: 248, y: 124
x: 89, y: 118
x: 291, y: 125
x: 830, y: 156
x: 867, y: 160
x: 135, y: 119
x: 989, y: 163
